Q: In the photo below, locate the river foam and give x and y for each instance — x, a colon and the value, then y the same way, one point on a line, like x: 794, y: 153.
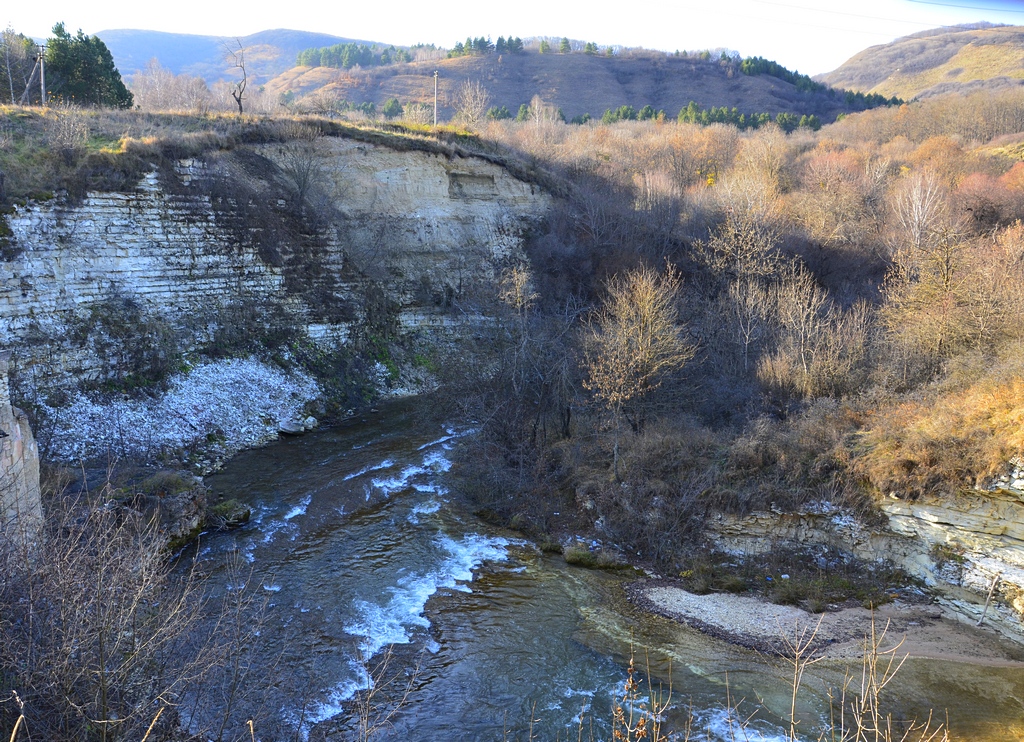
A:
x: 391, y: 621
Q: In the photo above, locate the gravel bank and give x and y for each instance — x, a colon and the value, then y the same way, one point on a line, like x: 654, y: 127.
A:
x: 916, y: 630
x: 234, y: 403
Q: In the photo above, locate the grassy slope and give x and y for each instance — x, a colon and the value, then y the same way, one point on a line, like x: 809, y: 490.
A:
x: 936, y: 63
x: 576, y: 83
x: 122, y: 145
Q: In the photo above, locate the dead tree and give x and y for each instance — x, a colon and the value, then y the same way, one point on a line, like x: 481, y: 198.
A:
x: 238, y: 56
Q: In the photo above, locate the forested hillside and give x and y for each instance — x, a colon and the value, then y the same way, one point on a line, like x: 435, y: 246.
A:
x: 577, y: 83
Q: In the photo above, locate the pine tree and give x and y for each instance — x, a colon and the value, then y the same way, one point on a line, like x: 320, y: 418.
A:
x: 80, y: 70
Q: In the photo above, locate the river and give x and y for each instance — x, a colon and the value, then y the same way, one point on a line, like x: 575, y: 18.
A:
x: 356, y: 546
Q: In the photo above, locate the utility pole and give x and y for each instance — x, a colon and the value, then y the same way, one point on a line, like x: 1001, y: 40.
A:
x: 435, y: 99
x: 42, y: 75
x: 38, y: 66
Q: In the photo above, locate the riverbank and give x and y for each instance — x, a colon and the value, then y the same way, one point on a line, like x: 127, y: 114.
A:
x: 914, y: 629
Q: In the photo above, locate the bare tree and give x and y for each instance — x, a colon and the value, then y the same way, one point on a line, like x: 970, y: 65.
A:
x: 750, y: 305
x: 17, y: 60
x: 320, y: 103
x: 97, y: 624
x: 471, y: 102
x: 920, y: 209
x: 634, y: 341
x: 302, y: 161
x: 741, y: 248
x: 238, y: 59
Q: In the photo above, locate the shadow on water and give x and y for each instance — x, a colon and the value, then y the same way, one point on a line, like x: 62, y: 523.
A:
x: 357, y: 545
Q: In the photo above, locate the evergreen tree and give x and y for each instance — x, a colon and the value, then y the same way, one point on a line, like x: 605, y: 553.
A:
x: 545, y: 47
x: 524, y: 113
x: 80, y: 69
x: 499, y: 45
x: 392, y: 108
x: 565, y: 47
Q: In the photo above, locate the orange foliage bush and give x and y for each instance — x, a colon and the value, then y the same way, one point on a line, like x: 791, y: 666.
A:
x: 937, y: 445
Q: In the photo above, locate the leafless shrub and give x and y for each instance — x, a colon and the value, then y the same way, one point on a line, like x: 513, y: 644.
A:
x: 471, y: 101
x: 97, y: 624
x: 67, y: 133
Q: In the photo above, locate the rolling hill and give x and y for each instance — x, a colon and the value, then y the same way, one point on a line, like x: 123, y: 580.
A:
x: 959, y: 59
x: 576, y: 83
x: 268, y: 53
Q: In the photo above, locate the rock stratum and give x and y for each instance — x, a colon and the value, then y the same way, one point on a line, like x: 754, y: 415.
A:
x: 313, y: 241
x: 969, y: 550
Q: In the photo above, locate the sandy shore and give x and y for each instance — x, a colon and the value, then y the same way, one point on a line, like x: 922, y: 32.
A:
x: 919, y: 630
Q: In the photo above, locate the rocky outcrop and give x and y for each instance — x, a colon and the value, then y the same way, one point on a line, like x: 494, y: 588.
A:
x: 962, y: 548
x: 424, y: 227
x: 380, y: 242
x: 20, y: 505
x: 176, y: 501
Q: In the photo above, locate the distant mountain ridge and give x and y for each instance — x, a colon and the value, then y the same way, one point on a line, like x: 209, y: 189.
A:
x: 268, y: 53
x: 957, y: 59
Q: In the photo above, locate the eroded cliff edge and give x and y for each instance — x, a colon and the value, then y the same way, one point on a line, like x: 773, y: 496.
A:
x: 303, y: 247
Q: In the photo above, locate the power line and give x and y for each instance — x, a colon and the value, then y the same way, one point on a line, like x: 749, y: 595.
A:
x: 840, y: 12
x: 788, y: 22
x: 966, y: 7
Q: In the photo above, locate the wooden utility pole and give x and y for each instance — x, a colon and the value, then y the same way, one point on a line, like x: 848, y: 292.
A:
x: 40, y: 57
x: 42, y: 75
x: 435, y: 99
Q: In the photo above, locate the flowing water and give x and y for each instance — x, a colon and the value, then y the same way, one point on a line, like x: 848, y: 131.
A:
x: 357, y: 546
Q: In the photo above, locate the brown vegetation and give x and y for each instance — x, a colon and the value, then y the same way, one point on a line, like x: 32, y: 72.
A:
x: 103, y: 639
x: 853, y: 295
x: 574, y: 83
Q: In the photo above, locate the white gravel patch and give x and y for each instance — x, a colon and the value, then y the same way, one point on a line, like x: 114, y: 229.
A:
x: 242, y: 400
x: 732, y: 613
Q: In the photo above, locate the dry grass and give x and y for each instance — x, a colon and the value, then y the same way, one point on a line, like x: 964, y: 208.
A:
x: 916, y: 65
x: 942, y: 442
x: 120, y: 146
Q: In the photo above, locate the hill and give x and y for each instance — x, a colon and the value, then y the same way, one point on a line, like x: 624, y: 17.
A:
x: 576, y: 83
x: 268, y: 53
x: 945, y: 60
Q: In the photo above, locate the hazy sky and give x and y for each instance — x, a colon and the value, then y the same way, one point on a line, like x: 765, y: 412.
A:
x: 812, y: 36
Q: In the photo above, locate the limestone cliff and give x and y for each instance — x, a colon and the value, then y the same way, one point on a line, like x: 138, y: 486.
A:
x: 322, y: 238
x: 961, y: 547
x: 20, y: 505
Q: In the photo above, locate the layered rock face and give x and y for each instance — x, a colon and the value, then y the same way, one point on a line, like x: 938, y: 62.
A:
x: 963, y: 548
x: 183, y: 246
x: 312, y: 240
x: 20, y: 506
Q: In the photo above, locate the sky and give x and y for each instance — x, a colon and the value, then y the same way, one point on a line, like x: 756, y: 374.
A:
x: 812, y: 36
